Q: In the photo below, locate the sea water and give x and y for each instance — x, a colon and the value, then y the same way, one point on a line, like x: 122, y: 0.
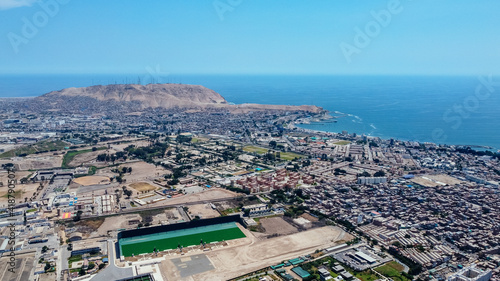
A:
x: 440, y: 109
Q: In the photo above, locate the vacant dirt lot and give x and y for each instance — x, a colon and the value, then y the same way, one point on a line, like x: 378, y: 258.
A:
x: 444, y: 179
x: 122, y: 146
x: 142, y: 186
x: 204, y: 211
x: 249, y: 254
x: 114, y: 223
x: 435, y: 180
x: 141, y: 171
x: 276, y: 225
x: 35, y: 162
x: 309, y: 217
x: 85, y: 158
x: 92, y: 180
x: 214, y: 193
x: 172, y: 214
x: 21, y: 190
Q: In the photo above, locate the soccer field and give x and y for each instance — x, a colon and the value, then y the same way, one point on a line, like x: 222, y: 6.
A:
x: 184, y: 237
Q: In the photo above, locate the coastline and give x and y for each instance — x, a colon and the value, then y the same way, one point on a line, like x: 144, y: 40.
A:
x: 311, y: 120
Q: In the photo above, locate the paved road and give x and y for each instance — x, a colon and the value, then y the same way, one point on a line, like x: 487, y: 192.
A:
x: 183, y: 213
x: 112, y: 272
x: 62, y: 262
x: 139, y: 209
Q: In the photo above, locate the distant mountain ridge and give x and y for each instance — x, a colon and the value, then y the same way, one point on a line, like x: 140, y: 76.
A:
x: 134, y: 97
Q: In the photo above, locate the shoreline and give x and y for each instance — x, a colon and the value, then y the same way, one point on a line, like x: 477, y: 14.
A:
x: 311, y: 121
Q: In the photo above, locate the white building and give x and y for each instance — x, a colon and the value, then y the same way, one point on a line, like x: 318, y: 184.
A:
x: 471, y: 274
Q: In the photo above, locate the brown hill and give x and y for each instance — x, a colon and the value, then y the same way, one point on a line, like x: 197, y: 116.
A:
x: 132, y: 97
x: 152, y: 95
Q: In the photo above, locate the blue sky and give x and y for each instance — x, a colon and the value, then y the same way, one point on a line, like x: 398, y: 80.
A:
x: 251, y: 37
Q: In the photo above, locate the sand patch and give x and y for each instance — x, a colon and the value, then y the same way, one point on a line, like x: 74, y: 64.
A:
x: 92, y: 180
x: 142, y: 186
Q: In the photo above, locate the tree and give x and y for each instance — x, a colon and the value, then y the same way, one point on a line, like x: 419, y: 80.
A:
x: 101, y: 266
x: 91, y: 265
x: 173, y: 182
x: 178, y: 157
x: 47, y: 267
x: 299, y: 192
x: 128, y: 192
x: 119, y: 179
x: 182, y: 138
x: 247, y: 212
x: 397, y: 244
x: 365, y: 174
x: 102, y: 157
x: 272, y: 144
x: 379, y: 174
x: 78, y: 216
x: 82, y: 272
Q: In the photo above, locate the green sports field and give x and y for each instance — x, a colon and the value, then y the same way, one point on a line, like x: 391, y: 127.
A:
x: 184, y: 237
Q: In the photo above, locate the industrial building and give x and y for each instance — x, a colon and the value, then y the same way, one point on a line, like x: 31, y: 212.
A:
x: 372, y: 180
x: 364, y: 257
x: 471, y: 273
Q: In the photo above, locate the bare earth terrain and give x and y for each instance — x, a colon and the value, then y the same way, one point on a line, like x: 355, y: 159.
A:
x: 92, y: 180
x: 213, y: 193
x: 35, y: 162
x: 114, y: 223
x: 140, y: 171
x: 85, y: 158
x: 276, y: 225
x: 122, y: 146
x: 142, y: 186
x: 204, y: 211
x: 21, y: 190
x: 249, y: 254
x: 435, y: 180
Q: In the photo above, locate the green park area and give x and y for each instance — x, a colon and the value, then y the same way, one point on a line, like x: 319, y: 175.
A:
x: 287, y: 156
x: 255, y: 149
x: 342, y: 143
x: 392, y: 270
x: 184, y: 237
x: 70, y: 155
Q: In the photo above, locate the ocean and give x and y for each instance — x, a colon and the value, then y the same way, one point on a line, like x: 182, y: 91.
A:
x: 460, y: 110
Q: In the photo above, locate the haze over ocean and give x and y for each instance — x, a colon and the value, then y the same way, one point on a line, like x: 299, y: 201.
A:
x: 442, y: 109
